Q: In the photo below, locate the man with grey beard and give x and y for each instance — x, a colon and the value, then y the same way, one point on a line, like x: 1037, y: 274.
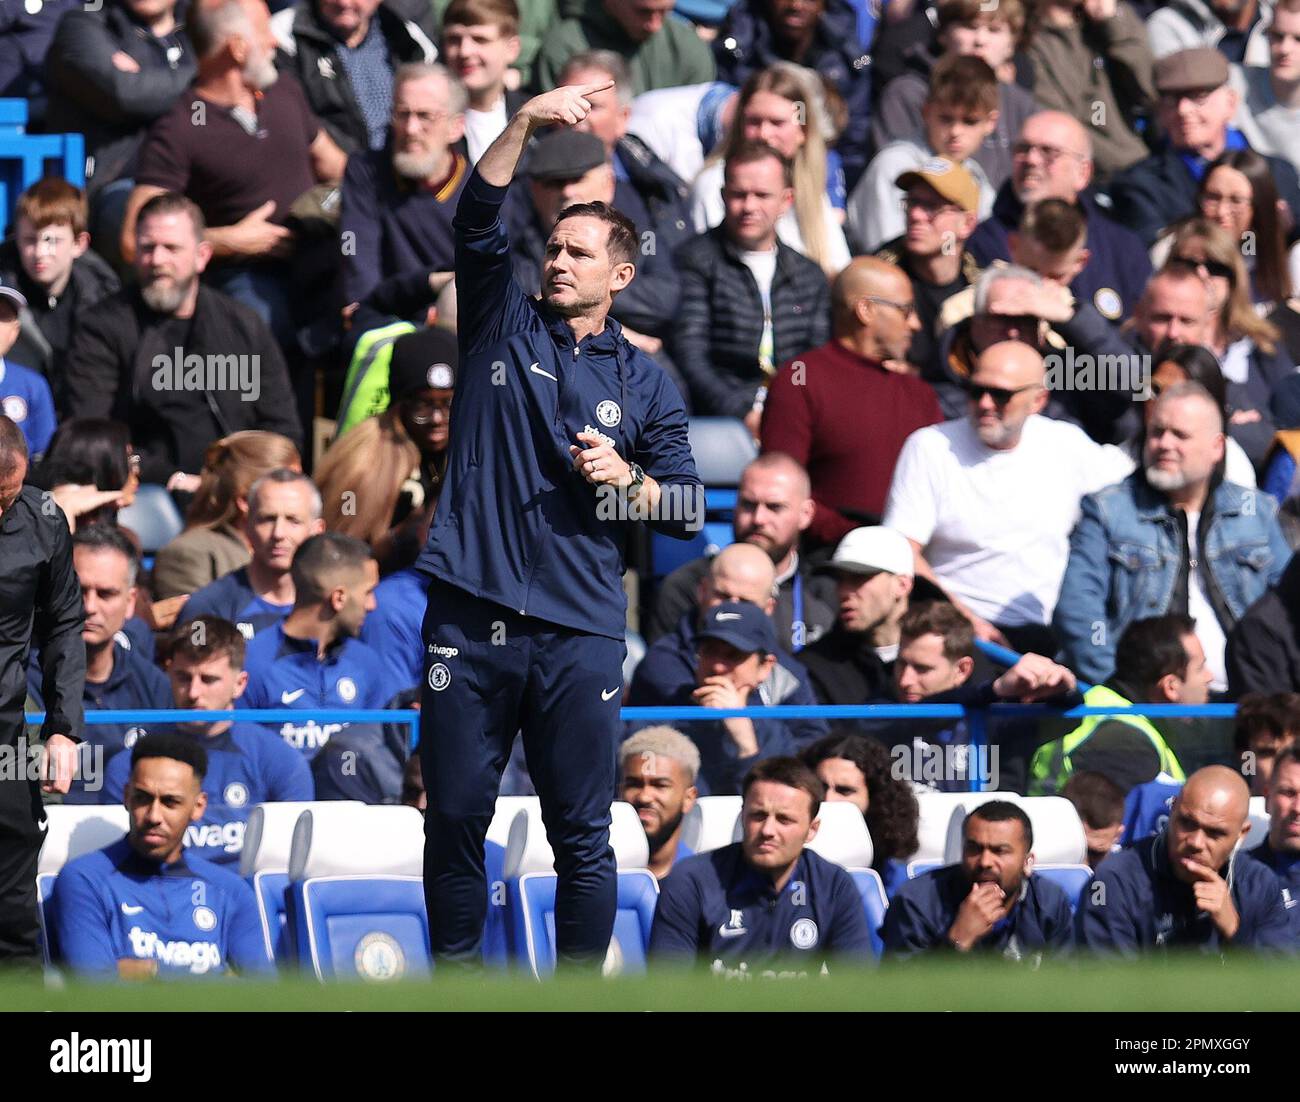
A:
x: 178, y: 362
x: 1172, y: 537
x: 244, y: 146
x: 398, y: 202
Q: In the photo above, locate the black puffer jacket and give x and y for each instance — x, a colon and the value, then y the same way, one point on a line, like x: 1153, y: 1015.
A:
x: 306, y: 49
x: 1264, y: 648
x: 91, y: 95
x: 720, y: 320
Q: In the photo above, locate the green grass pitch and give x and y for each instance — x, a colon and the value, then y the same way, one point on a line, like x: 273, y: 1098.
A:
x: 1187, y: 984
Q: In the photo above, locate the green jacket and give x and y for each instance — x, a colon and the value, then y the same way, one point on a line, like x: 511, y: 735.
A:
x: 1052, y: 763
x: 673, y: 55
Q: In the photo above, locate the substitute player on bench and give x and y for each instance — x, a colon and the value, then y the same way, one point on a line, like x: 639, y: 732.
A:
x: 561, y: 433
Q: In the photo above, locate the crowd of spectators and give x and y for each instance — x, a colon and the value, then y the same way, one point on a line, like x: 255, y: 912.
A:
x: 1005, y: 296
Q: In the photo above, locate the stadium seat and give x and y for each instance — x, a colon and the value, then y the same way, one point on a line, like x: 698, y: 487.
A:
x: 936, y: 814
x: 638, y: 894
x: 1071, y: 879
x: 843, y: 836
x: 920, y: 868
x: 871, y: 889
x: 1058, y: 833
x: 529, y: 867
x: 722, y: 448
x: 153, y: 517
x: 507, y: 808
x: 24, y: 158
x: 1146, y: 810
x: 356, y: 897
x: 635, y: 652
x: 76, y: 829
x: 711, y: 823
x: 1258, y: 823
x: 45, y: 913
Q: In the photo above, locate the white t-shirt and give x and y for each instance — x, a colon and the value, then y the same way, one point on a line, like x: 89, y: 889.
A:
x: 482, y: 128
x: 1208, y: 629
x: 707, y: 209
x: 995, y: 525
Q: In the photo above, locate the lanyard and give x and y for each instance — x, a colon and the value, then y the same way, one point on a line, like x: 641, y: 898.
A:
x: 798, y: 630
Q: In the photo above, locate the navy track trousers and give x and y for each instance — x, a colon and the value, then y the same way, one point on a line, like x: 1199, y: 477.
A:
x: 489, y: 673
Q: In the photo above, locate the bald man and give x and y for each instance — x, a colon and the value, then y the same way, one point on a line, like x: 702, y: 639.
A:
x: 773, y: 510
x: 988, y: 500
x: 1190, y: 886
x: 667, y: 673
x: 844, y: 410
x: 1137, y: 550
x: 1052, y: 159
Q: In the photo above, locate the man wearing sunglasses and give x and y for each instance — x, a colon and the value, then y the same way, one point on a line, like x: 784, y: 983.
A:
x: 988, y: 500
x: 1195, y: 110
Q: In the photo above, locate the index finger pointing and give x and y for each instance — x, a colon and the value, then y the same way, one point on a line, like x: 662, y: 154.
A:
x: 595, y: 86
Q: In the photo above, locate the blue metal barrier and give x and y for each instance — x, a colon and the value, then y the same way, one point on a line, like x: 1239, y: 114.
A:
x: 976, y: 718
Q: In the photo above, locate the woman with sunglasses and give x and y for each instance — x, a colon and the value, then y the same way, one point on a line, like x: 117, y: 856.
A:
x: 1247, y: 346
x: 379, y: 481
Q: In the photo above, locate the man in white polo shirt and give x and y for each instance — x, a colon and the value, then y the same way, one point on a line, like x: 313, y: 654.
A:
x: 988, y: 501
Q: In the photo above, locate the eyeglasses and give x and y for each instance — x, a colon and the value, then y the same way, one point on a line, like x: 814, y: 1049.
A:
x: 423, y: 410
x: 1050, y: 153
x: 1000, y: 395
x: 1198, y: 96
x: 1212, y: 267
x: 907, y: 309
x: 931, y: 208
x: 424, y: 118
x: 1237, y: 202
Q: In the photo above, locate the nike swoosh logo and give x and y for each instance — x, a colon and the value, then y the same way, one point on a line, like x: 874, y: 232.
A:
x: 127, y: 909
x: 728, y: 616
x: 730, y: 931
x: 609, y: 695
x: 536, y: 369
x: 289, y: 698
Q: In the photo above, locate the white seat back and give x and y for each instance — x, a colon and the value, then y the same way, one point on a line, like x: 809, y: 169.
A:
x: 1058, y: 833
x: 269, y: 834
x: 527, y: 849
x: 711, y: 823
x: 337, y: 839
x: 843, y: 836
x: 936, y: 814
x: 506, y: 810
x: 76, y: 829
x: 1258, y: 816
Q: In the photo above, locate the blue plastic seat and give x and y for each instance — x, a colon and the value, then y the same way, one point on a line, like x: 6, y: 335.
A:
x: 534, y: 917
x: 45, y: 912
x: 153, y: 517
x: 1071, y: 879
x: 362, y: 927
x: 722, y: 448
x: 872, y: 892
x: 269, y: 888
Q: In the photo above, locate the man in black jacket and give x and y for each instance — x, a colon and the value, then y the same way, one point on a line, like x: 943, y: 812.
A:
x: 1263, y: 651
x: 181, y: 364
x: 112, y: 70
x: 749, y: 302
x: 344, y: 57
x: 40, y: 603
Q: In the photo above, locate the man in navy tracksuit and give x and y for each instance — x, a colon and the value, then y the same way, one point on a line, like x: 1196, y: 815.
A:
x: 142, y: 906
x: 313, y: 658
x: 561, y: 432
x: 986, y: 903
x: 765, y: 900
x: 1190, y: 886
x: 247, y: 764
x: 1280, y: 851
x: 117, y: 675
x: 393, y: 629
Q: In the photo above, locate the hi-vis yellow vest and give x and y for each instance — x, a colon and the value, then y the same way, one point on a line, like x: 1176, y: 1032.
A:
x: 1052, y: 766
x: 365, y: 392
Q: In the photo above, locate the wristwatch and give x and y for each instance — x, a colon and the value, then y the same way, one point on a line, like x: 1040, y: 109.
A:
x: 638, y: 480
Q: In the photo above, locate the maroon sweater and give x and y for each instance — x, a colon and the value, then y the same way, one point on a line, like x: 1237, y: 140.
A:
x: 846, y: 421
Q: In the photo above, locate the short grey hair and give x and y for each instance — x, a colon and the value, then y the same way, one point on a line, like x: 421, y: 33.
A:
x: 1191, y: 389
x: 283, y: 476
x: 457, y: 97
x: 209, y: 25
x: 607, y: 61
x: 663, y: 742
x: 987, y: 278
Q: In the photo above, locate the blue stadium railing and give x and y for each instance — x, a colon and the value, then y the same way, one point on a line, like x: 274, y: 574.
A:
x: 976, y: 718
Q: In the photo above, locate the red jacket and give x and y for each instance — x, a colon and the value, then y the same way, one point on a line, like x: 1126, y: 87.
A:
x: 845, y: 419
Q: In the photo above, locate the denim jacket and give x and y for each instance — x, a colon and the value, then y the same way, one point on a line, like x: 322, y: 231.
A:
x: 1128, y: 561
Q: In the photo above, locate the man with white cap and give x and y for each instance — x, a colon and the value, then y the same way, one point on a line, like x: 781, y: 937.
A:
x: 874, y: 574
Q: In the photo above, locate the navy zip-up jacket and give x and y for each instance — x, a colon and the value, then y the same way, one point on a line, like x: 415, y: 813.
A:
x: 1142, y: 906
x: 516, y: 524
x: 134, y: 682
x: 713, y: 907
x: 922, y: 911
